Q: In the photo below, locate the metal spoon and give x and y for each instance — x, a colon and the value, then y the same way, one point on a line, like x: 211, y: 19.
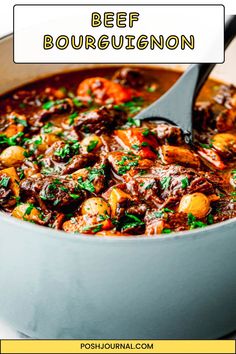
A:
x: 176, y: 105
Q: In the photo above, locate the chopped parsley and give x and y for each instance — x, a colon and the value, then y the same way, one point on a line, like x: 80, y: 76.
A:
x: 47, y: 127
x: 131, y: 107
x: 166, y: 231
x: 12, y: 141
x: 210, y: 219
x: 93, y: 228
x: 123, y: 169
x: 95, y: 172
x: 185, y: 182
x: 74, y: 196
x: 142, y: 172
x: 4, y: 181
x: 151, y: 88
x: 48, y: 105
x: 67, y: 150
x: 92, y: 144
x: 20, y: 121
x: 150, y: 185
x: 194, y: 223
x: 29, y: 208
x: 126, y: 163
x: 135, y: 147
x: 165, y: 182
x: 144, y: 143
x: 146, y: 132
x: 160, y: 214
x: 72, y: 118
x: 133, y: 122
x: 206, y: 146
x: 77, y: 102
x: 130, y: 221
x: 87, y: 185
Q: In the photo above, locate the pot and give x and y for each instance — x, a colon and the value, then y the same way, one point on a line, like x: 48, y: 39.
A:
x: 58, y: 285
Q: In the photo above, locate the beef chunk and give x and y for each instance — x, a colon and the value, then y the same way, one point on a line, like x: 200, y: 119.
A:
x: 53, y: 192
x: 58, y: 107
x: 145, y: 188
x: 129, y: 77
x: 224, y: 209
x: 5, y: 192
x: 168, y: 134
x: 224, y: 95
x: 127, y: 163
x: 3, y: 123
x: 159, y: 221
x: 203, y: 116
x: 226, y: 120
x: 178, y: 180
x: 79, y: 161
x: 98, y: 121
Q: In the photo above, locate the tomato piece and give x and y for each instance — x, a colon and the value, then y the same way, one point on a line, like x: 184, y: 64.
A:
x: 142, y: 145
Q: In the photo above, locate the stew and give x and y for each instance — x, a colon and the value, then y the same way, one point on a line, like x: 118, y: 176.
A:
x: 72, y: 157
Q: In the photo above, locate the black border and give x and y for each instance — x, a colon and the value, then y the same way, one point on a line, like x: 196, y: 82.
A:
x: 112, y: 5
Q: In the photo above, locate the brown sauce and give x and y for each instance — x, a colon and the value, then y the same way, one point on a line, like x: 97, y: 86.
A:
x: 73, y: 158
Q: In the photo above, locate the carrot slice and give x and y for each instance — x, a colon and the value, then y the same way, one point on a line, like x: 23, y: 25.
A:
x: 102, y: 90
x: 142, y: 145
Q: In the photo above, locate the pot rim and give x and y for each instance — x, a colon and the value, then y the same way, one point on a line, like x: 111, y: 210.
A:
x: 48, y: 232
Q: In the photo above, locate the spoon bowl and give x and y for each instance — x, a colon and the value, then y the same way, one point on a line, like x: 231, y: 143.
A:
x: 175, y: 107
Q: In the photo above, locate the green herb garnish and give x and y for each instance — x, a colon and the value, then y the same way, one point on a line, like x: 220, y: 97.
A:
x: 72, y: 118
x: 4, y: 181
x: 165, y: 182
x: 194, y: 223
x: 92, y: 144
x: 185, y: 182
x: 130, y: 221
x: 47, y: 128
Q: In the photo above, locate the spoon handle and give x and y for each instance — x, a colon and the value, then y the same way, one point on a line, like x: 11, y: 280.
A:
x: 176, y: 105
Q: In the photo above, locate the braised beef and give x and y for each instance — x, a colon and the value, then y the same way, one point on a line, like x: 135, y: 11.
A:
x: 129, y: 77
x: 99, y: 120
x: 73, y: 158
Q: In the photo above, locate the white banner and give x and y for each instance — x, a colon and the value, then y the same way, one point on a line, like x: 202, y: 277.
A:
x: 118, y: 33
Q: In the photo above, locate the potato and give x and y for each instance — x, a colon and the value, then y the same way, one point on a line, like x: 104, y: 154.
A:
x: 12, y: 156
x: 27, y: 212
x: 87, y: 224
x: 14, y: 180
x: 91, y: 143
x: 82, y: 172
x: 16, y: 124
x: 177, y: 154
x: 95, y: 206
x: 196, y: 204
x: 224, y: 142
x: 117, y: 197
x: 45, y: 141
